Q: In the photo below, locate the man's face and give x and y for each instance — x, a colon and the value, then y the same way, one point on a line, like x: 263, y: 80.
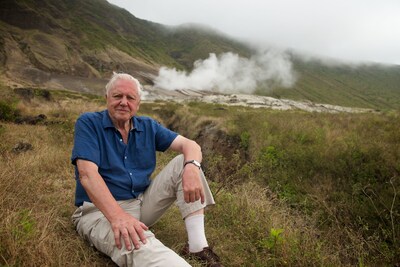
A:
x: 123, y: 101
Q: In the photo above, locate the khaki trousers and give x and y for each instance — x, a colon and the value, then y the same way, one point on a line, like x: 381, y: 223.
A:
x: 164, y: 190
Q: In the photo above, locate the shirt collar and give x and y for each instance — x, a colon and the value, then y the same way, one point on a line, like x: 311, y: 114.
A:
x: 107, y: 122
x: 137, y: 124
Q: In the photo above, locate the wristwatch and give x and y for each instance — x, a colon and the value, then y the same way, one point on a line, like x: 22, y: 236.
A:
x: 195, y: 162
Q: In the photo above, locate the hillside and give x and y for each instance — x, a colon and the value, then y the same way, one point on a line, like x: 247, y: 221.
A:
x: 75, y: 45
x: 56, y: 42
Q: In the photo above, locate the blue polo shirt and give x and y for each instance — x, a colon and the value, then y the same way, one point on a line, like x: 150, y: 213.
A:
x: 125, y: 168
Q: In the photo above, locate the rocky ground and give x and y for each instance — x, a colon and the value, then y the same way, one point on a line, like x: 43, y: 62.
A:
x: 152, y: 94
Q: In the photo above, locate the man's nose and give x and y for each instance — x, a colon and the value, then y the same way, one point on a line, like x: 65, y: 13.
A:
x: 124, y: 101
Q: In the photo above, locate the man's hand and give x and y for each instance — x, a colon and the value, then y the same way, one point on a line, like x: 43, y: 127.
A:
x: 192, y: 187
x: 191, y: 182
x: 128, y: 228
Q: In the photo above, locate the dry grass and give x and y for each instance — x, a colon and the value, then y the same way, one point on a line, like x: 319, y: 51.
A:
x: 37, y: 188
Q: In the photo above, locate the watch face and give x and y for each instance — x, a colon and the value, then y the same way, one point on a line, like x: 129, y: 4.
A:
x: 195, y: 162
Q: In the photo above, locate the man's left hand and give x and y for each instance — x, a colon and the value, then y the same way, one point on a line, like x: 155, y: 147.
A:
x: 192, y: 186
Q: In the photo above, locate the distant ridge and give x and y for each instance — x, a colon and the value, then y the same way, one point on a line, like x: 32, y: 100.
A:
x: 75, y: 45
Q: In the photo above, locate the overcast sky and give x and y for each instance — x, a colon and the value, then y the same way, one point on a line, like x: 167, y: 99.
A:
x: 351, y: 30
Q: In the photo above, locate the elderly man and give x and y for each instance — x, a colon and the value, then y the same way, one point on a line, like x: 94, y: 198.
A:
x: 114, y: 155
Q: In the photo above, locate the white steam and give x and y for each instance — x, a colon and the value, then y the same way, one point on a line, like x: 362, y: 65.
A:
x: 230, y: 73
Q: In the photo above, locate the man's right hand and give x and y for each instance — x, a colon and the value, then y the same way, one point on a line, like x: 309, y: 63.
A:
x: 123, y: 224
x: 128, y: 228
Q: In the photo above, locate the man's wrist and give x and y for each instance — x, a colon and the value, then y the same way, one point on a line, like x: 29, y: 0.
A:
x: 193, y: 162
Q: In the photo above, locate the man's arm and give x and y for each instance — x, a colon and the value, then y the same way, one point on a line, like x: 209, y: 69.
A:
x: 192, y: 186
x: 123, y: 224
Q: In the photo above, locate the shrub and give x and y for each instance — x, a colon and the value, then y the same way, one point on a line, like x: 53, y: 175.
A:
x: 8, y: 112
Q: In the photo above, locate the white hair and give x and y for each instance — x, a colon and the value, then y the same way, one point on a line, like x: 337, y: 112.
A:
x: 122, y: 76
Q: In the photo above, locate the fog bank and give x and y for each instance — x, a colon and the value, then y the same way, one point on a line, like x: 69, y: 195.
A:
x: 230, y: 73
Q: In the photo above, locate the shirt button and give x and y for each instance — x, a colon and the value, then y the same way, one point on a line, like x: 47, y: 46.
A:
x: 120, y: 140
x: 126, y: 157
x: 130, y: 174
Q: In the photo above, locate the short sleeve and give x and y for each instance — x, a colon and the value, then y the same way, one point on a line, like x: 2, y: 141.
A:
x: 86, y: 144
x: 164, y: 137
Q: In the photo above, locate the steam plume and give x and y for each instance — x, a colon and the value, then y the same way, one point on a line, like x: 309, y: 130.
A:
x: 230, y: 73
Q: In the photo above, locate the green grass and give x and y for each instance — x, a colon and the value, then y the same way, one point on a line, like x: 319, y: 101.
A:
x: 367, y: 86
x: 341, y: 169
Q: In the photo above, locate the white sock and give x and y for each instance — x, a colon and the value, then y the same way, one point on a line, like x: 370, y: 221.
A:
x: 196, y: 233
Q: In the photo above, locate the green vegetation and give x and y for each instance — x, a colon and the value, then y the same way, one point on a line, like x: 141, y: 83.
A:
x: 368, y: 86
x: 340, y: 169
x: 98, y: 25
x: 7, y: 111
x: 292, y: 188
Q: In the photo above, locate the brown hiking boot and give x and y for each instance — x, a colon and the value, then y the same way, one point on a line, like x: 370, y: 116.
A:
x: 206, y: 256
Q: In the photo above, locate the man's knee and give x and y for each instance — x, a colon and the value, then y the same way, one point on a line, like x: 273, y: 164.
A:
x: 174, y: 169
x: 178, y: 160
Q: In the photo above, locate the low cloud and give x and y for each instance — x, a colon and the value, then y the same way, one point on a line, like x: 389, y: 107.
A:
x: 230, y: 73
